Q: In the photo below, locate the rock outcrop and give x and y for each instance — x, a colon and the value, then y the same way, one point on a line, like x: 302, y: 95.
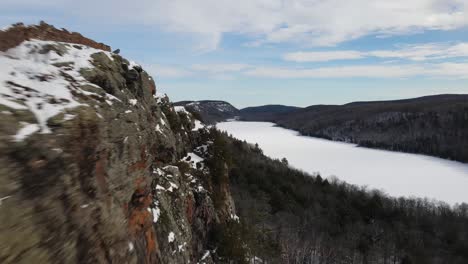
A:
x: 92, y: 166
x: 18, y: 33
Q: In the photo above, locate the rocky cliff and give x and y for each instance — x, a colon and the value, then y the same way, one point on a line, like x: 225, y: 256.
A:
x: 95, y: 165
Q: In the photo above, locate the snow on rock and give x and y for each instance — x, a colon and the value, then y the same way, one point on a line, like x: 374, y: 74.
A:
x: 255, y: 260
x: 200, y: 188
x: 31, y: 78
x: 130, y: 246
x: 198, y: 125
x: 207, y: 253
x: 133, y: 101
x: 4, y: 198
x: 172, y: 186
x: 158, y: 129
x: 159, y: 188
x: 133, y: 64
x: 181, y: 109
x: 159, y: 97
x: 156, y: 213
x: 193, y: 159
x: 25, y: 131
x: 68, y: 117
x: 235, y: 217
x: 182, y: 247
x: 171, y: 237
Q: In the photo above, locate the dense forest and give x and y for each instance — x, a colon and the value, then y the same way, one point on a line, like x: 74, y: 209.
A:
x: 288, y: 216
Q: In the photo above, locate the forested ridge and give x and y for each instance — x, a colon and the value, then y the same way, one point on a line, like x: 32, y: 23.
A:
x: 289, y: 216
x: 433, y: 125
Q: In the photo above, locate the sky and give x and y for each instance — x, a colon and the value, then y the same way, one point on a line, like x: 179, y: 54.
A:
x: 293, y: 52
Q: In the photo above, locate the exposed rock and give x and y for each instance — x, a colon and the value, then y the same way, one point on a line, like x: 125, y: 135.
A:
x: 18, y: 33
x: 98, y: 179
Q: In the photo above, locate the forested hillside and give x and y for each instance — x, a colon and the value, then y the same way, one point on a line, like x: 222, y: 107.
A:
x: 289, y: 216
x: 265, y: 112
x: 210, y: 111
x: 433, y: 125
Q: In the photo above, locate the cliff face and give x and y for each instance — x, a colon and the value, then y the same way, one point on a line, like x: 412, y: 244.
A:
x: 95, y: 167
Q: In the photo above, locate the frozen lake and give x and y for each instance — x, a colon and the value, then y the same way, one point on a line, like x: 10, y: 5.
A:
x: 395, y: 173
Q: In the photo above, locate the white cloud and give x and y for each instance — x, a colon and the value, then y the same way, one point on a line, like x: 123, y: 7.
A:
x: 221, y: 71
x: 325, y: 22
x: 410, y: 52
x: 441, y: 70
x: 220, y: 68
x: 319, y: 56
x: 424, y: 52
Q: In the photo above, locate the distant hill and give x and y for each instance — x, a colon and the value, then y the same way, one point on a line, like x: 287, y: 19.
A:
x: 211, y: 111
x: 434, y: 125
x: 265, y: 112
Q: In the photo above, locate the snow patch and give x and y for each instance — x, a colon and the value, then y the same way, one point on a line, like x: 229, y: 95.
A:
x: 158, y: 128
x: 30, y: 79
x: 25, y: 131
x: 4, y: 198
x: 156, y: 213
x: 207, y: 253
x: 130, y: 246
x: 172, y: 186
x: 133, y: 101
x: 181, y: 109
x: 198, y: 125
x: 171, y: 237
x: 193, y: 159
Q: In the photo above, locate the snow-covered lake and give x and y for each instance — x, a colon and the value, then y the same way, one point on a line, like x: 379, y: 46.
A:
x: 395, y: 173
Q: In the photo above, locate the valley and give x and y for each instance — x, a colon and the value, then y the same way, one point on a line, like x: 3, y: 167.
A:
x: 394, y: 173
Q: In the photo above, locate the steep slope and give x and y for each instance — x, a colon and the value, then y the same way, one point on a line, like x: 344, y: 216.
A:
x: 210, y: 111
x: 94, y: 165
x: 266, y: 112
x: 292, y: 217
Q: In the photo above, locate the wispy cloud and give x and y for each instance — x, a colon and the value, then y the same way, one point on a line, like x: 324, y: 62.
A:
x: 318, y: 56
x: 440, y: 70
x: 320, y: 23
x: 219, y: 71
x: 430, y: 51
x: 220, y: 68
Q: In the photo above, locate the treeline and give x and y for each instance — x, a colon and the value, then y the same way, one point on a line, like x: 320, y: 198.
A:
x: 288, y: 216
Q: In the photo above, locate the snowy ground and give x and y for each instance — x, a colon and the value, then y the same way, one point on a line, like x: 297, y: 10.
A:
x: 397, y: 174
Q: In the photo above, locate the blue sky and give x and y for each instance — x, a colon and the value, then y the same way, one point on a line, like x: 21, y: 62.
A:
x: 297, y: 52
